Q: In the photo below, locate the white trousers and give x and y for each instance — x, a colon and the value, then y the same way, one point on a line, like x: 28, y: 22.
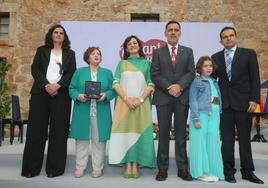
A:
x: 97, y: 149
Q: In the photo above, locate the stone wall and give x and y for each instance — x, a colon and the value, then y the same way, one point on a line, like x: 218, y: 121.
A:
x: 30, y: 20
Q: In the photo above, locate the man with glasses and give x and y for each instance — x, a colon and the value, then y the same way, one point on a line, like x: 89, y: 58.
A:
x: 239, y: 82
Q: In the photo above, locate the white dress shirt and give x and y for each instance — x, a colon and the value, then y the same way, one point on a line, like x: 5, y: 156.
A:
x: 53, y: 69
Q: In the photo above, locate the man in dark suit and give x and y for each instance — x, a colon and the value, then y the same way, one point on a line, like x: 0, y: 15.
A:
x: 239, y: 82
x: 172, y: 71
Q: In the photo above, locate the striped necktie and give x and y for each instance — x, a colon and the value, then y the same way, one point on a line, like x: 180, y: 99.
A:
x: 173, y: 56
x: 228, y: 63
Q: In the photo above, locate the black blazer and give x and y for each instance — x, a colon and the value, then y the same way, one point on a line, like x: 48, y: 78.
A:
x: 163, y: 74
x: 40, y: 65
x: 245, y: 81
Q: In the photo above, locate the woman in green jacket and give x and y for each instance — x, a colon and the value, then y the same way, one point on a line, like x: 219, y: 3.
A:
x: 91, y: 118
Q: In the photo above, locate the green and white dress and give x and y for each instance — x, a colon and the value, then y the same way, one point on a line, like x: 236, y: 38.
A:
x: 132, y: 130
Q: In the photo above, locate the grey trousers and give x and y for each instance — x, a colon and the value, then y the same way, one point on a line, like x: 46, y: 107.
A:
x: 97, y: 149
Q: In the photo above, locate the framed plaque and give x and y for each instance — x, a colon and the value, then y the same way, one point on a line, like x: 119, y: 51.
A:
x: 92, y: 89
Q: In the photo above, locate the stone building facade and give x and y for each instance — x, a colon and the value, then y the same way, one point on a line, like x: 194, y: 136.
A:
x: 30, y: 20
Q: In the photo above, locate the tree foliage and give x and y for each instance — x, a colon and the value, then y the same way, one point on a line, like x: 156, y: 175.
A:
x: 5, y: 98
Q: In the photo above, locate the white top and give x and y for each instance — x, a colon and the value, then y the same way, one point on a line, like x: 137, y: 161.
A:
x: 53, y: 69
x: 93, y: 103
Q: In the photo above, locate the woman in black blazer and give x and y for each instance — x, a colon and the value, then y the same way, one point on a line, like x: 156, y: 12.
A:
x: 50, y: 105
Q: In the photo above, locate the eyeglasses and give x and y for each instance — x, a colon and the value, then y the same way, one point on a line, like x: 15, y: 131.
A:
x: 228, y: 36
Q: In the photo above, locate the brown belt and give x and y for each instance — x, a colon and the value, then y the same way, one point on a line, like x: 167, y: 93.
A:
x: 215, y: 100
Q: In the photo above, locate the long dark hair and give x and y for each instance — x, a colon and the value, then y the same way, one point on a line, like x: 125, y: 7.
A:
x: 126, y: 54
x: 49, y: 42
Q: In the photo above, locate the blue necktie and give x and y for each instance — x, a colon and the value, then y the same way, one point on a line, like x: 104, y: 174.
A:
x: 228, y: 63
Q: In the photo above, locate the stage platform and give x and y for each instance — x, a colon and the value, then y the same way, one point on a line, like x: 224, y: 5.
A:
x: 11, y: 157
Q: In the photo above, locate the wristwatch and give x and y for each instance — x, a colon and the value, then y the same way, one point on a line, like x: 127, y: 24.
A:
x: 141, y: 100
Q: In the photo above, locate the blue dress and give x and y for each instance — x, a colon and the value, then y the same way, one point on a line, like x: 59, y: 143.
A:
x: 205, y: 152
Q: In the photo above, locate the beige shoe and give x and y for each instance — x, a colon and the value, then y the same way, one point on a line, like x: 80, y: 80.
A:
x: 96, y: 173
x: 78, y: 173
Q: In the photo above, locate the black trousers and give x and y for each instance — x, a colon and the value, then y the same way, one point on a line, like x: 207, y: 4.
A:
x: 49, y: 119
x: 242, y: 121
x: 164, y: 116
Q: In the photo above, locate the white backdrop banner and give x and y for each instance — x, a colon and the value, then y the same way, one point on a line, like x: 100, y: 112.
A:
x: 203, y: 38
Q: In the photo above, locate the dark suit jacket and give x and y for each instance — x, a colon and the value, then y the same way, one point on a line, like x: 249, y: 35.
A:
x: 40, y: 65
x: 245, y: 81
x: 163, y: 74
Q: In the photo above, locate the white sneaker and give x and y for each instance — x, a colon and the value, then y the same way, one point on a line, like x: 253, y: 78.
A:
x: 206, y: 178
x: 215, y: 178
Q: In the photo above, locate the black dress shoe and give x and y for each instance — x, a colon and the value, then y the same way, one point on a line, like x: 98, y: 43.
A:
x: 250, y: 176
x: 161, y: 175
x: 230, y: 178
x: 29, y: 175
x: 51, y: 175
x: 185, y: 175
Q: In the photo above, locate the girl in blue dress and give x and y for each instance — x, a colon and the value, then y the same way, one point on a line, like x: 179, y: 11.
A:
x: 205, y: 106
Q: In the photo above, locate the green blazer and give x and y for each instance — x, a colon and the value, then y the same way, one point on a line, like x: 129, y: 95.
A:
x: 80, y: 122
